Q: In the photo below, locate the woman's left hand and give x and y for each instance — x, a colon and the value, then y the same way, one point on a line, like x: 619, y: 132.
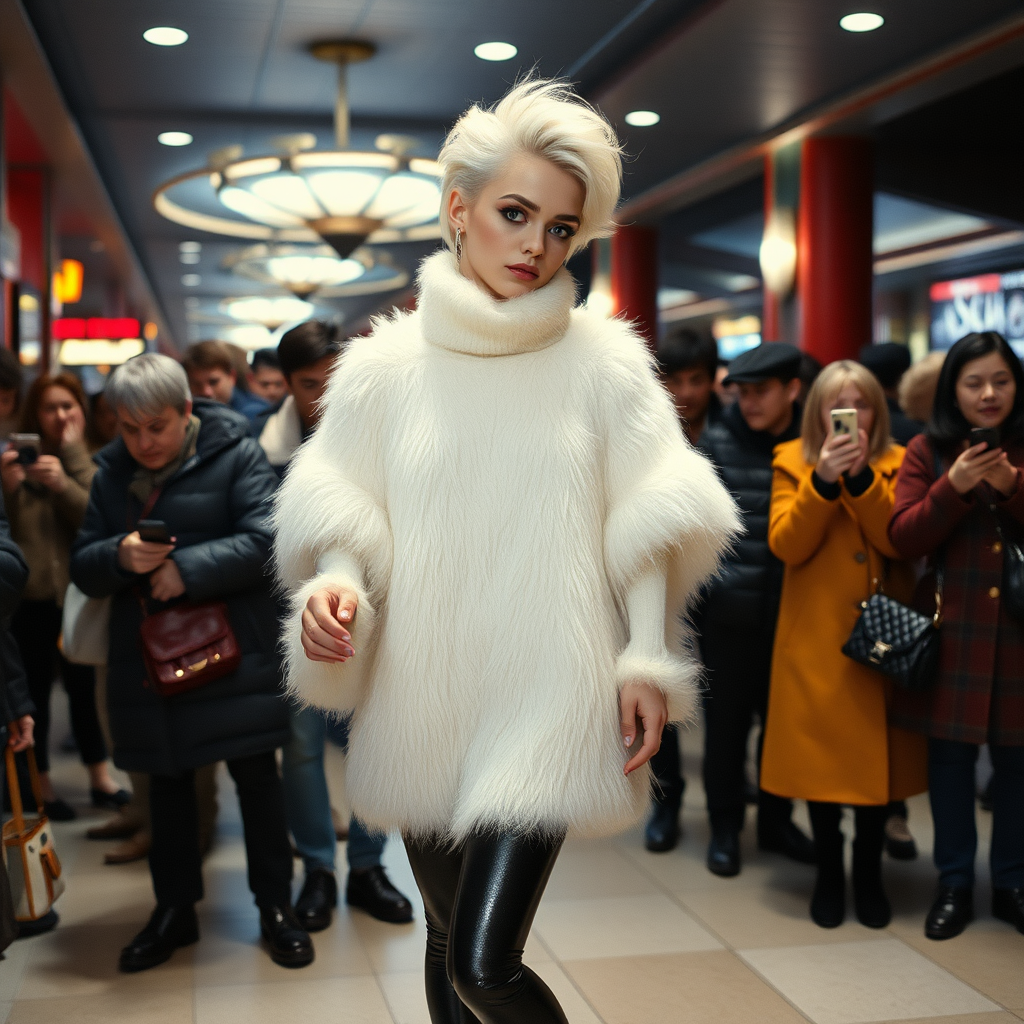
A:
x: 1002, y: 476
x: 862, y: 459
x: 74, y: 426
x: 644, y: 707
x: 165, y: 582
x: 48, y: 471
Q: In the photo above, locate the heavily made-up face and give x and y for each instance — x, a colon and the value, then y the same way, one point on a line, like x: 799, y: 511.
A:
x: 519, y: 230
x: 985, y: 391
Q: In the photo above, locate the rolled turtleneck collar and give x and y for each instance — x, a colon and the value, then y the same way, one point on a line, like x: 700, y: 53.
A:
x: 457, y: 315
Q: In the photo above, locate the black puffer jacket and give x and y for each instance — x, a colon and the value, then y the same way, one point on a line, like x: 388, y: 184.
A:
x: 747, y: 592
x: 217, y: 505
x: 15, y: 701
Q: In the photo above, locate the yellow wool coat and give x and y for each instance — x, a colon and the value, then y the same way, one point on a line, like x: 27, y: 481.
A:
x: 827, y: 735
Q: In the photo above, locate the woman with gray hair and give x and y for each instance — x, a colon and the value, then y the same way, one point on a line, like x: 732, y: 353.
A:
x: 194, y: 467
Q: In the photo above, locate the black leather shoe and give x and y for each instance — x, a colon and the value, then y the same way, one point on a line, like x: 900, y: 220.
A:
x: 318, y: 898
x: 828, y: 903
x: 371, y: 890
x: 951, y: 913
x: 662, y: 832
x: 110, y: 801
x: 788, y: 840
x: 724, y: 854
x: 289, y: 943
x: 1008, y: 905
x: 41, y: 925
x: 59, y: 810
x: 169, y: 928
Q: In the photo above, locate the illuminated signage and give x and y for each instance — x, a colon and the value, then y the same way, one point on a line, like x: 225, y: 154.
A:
x: 989, y: 302
x: 98, y: 327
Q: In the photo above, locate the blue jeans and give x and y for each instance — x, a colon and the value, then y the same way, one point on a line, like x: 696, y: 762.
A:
x: 308, y: 803
x: 952, y: 796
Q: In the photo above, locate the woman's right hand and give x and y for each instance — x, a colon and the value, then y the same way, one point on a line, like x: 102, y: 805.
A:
x: 839, y: 453
x: 971, y: 465
x: 327, y: 613
x: 141, y: 556
x: 12, y: 472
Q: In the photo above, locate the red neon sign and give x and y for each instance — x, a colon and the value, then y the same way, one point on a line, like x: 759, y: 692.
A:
x: 100, y: 327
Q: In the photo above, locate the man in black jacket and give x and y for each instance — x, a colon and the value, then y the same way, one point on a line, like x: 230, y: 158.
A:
x: 738, y: 614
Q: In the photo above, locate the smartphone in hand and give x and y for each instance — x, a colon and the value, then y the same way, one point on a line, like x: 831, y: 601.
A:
x: 154, y: 531
x: 844, y: 421
x: 984, y: 435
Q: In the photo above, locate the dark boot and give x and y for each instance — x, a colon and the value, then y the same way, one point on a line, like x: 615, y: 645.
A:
x: 828, y: 904
x: 317, y: 900
x: 724, y: 853
x: 1008, y: 906
x: 662, y: 831
x: 169, y: 928
x: 289, y: 943
x: 371, y: 890
x: 950, y: 914
x: 869, y: 899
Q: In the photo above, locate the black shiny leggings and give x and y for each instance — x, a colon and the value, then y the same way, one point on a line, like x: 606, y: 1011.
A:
x: 480, y: 899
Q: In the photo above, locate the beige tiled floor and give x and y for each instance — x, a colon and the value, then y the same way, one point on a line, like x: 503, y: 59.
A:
x: 622, y: 937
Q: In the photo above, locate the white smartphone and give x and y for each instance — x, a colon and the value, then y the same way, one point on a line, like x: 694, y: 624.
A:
x: 844, y: 421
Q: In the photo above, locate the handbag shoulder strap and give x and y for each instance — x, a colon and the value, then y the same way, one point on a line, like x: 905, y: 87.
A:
x: 14, y: 789
x: 147, y: 507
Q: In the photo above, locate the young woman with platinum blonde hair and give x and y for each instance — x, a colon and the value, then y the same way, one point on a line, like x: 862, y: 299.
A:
x: 488, y: 544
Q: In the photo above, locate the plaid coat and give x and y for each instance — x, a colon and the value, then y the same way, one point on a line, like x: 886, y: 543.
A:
x: 979, y: 694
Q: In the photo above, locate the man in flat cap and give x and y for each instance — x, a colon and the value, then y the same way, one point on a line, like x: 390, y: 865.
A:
x: 888, y: 362
x: 738, y: 614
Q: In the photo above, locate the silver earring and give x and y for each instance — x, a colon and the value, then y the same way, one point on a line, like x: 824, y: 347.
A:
x: 458, y: 245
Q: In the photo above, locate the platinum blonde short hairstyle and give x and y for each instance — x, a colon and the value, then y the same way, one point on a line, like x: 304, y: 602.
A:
x: 147, y: 384
x: 546, y: 118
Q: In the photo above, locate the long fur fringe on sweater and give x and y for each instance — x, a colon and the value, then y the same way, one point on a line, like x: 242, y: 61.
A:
x: 494, y: 478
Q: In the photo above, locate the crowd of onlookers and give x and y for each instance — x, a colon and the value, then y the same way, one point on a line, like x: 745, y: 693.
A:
x: 155, y: 493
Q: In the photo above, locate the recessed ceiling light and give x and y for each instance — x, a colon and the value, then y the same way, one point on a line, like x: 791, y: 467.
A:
x: 189, y: 257
x: 864, y: 21
x: 642, y: 118
x: 191, y: 280
x: 174, y: 139
x: 190, y: 247
x: 164, y: 35
x: 495, y: 51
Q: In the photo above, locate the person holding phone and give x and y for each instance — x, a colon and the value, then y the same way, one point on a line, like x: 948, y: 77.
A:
x: 207, y: 485
x: 828, y: 739
x: 46, y: 477
x: 959, y: 502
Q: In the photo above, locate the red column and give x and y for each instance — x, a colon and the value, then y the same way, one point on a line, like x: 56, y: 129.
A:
x: 834, y: 232
x: 635, y: 278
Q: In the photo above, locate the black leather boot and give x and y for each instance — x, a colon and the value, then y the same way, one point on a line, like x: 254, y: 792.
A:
x: 828, y: 903
x: 724, y: 853
x: 169, y: 928
x: 317, y: 900
x: 662, y: 831
x: 951, y: 913
x: 869, y: 900
x: 371, y: 890
x: 289, y: 943
x: 1008, y: 905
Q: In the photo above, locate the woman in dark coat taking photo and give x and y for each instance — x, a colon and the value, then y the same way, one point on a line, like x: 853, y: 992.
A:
x: 213, y: 485
x: 960, y: 501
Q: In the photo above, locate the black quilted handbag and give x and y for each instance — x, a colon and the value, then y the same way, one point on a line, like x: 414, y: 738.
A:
x: 897, y: 641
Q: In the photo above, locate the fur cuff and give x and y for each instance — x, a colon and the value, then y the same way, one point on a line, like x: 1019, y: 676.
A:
x: 336, y: 688
x: 677, y: 678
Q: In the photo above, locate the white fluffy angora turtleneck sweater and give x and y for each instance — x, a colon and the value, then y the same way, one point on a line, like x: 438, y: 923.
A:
x: 507, y: 487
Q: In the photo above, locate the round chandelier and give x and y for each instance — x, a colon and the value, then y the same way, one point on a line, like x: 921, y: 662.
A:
x: 342, y: 197
x: 305, y: 270
x: 268, y: 311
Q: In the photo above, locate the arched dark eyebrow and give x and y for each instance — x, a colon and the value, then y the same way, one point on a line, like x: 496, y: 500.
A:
x: 534, y: 208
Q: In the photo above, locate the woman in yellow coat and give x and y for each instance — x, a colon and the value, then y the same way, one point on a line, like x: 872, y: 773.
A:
x: 827, y: 739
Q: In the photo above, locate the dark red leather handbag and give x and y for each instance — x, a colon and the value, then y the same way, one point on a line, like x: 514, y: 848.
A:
x: 187, y: 646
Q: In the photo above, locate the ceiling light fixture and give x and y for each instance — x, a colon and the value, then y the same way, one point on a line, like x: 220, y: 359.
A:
x: 190, y: 247
x: 174, y: 139
x: 863, y: 21
x: 495, y: 51
x: 164, y: 35
x: 341, y: 196
x: 271, y: 311
x: 305, y: 270
x: 191, y: 280
x: 642, y: 118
